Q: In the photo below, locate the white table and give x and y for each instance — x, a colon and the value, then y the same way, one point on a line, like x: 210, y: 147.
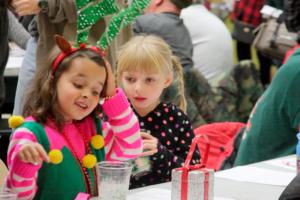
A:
x: 11, y: 73
x: 15, y: 59
x: 245, y: 187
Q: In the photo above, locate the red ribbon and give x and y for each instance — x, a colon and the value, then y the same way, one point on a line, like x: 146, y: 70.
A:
x: 201, y: 166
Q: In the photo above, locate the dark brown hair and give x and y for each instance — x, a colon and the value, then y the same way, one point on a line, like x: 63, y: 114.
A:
x: 180, y: 4
x: 41, y: 100
x: 5, y: 4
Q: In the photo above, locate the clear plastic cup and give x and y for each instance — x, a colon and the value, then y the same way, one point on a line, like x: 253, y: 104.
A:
x: 113, y: 179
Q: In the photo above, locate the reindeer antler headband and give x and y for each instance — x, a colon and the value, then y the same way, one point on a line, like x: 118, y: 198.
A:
x: 88, y: 13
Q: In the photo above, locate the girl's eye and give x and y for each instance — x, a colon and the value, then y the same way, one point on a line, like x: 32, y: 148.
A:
x: 79, y: 86
x: 150, y: 80
x: 96, y: 93
x: 130, y: 79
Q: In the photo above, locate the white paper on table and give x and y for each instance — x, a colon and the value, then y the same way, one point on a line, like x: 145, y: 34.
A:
x: 150, y: 194
x: 223, y: 198
x: 286, y: 163
x: 257, y: 175
x: 16, y: 56
x: 159, y: 194
x: 14, y: 62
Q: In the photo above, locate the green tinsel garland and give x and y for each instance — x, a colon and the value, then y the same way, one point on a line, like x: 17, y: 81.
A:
x: 120, y: 20
x: 90, y: 11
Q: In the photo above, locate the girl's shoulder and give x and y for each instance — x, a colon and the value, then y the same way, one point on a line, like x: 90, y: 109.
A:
x: 169, y: 107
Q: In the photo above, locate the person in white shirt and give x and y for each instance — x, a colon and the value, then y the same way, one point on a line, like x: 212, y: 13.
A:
x: 212, y: 42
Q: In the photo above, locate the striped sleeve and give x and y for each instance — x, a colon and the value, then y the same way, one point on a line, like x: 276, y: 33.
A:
x: 122, y: 132
x: 22, y: 177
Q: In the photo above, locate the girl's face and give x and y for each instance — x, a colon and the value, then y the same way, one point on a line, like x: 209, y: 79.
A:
x: 144, y: 89
x: 79, y: 88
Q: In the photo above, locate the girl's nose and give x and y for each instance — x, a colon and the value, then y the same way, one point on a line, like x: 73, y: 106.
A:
x: 85, y: 94
x: 138, y: 87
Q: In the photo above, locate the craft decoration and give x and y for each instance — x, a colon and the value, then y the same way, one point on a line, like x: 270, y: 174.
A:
x: 90, y: 11
x: 67, y: 49
x: 89, y: 161
x: 15, y: 121
x: 97, y: 142
x: 55, y: 156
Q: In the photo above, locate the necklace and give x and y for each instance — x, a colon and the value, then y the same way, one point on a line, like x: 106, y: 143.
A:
x: 84, y: 170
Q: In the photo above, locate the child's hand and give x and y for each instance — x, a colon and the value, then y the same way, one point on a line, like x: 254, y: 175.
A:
x: 149, y: 144
x: 110, y: 82
x: 33, y: 153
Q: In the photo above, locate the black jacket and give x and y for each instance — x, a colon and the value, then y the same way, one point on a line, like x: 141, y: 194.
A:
x: 292, y: 191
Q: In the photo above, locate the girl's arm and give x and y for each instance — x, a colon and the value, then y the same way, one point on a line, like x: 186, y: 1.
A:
x: 16, y: 32
x: 121, y: 131
x: 22, y: 176
x: 58, y: 10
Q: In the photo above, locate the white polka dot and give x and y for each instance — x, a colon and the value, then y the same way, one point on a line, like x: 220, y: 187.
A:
x: 176, y: 138
x: 162, y: 156
x: 181, y: 129
x: 170, y: 130
x: 142, y: 124
x: 179, y: 114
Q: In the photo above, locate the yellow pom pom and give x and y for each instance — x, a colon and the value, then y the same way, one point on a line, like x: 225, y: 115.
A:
x: 97, y: 141
x: 15, y: 121
x: 55, y: 156
x: 89, y: 161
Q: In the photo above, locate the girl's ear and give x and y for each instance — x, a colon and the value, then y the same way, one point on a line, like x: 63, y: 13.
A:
x: 169, y: 80
x: 62, y: 43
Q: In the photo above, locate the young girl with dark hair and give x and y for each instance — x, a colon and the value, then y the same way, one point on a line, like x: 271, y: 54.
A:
x: 62, y: 121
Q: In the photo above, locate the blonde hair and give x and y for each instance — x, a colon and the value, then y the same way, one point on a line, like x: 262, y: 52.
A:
x: 152, y: 55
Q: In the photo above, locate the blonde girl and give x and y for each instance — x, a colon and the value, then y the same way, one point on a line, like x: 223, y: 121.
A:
x: 145, y: 68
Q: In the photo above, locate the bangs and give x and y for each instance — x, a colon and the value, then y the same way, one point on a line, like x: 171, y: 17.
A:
x: 140, y: 58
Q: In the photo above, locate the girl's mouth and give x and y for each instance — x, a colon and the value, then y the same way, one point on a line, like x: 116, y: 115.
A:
x: 139, y: 98
x: 82, y: 105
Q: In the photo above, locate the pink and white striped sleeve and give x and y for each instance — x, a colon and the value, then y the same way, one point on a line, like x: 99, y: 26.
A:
x: 122, y: 131
x: 22, y: 177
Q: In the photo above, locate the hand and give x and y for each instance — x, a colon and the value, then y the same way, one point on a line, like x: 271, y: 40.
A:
x: 110, y: 82
x: 26, y: 7
x: 33, y: 153
x: 149, y: 144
